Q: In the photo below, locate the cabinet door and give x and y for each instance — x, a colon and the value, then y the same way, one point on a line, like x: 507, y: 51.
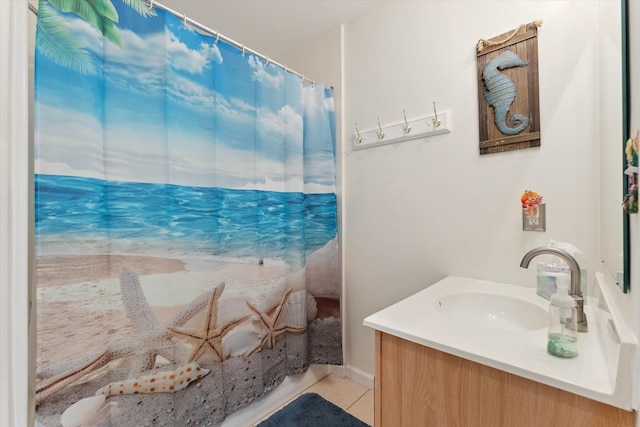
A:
x: 417, y: 386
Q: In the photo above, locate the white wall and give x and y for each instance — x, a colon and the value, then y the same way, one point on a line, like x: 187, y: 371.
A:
x: 610, y: 68
x: 418, y: 211
x: 15, y: 409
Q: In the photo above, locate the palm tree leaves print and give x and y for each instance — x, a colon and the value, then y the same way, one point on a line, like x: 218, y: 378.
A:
x: 58, y: 43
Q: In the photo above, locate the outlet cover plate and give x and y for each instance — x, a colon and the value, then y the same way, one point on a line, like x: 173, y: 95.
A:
x: 535, y: 224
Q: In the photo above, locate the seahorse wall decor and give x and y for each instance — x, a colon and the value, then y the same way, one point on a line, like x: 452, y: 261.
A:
x: 501, y: 91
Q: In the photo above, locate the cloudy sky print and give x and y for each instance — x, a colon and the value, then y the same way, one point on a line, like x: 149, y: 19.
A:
x: 175, y: 106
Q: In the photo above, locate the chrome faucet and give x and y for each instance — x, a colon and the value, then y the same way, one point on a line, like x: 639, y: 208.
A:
x: 575, y: 290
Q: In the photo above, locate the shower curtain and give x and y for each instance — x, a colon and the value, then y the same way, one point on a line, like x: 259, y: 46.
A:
x: 186, y: 220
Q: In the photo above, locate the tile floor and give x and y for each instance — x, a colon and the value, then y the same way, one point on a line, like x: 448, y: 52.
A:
x: 354, y: 398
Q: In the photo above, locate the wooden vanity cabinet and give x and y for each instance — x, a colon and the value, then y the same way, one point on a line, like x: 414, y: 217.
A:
x: 417, y: 386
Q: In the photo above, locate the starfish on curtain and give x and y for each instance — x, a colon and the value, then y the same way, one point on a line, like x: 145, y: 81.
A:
x: 271, y: 326
x: 154, y: 340
x: 208, y: 339
x: 62, y: 377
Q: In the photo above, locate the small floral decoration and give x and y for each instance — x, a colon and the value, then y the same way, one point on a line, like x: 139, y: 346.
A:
x: 630, y: 202
x: 530, y: 201
x: 632, y: 148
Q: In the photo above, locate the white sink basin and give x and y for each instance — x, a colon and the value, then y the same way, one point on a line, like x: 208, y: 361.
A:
x: 492, y: 311
x: 504, y: 327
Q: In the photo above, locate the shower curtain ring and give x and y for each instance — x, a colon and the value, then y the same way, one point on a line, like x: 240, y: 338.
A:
x: 217, y: 36
x: 184, y: 21
x: 150, y: 8
x: 242, y: 49
x: 266, y: 60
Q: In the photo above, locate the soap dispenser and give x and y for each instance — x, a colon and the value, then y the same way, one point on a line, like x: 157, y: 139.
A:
x: 563, y: 333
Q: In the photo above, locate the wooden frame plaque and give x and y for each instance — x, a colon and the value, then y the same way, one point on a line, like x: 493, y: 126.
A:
x: 508, y: 98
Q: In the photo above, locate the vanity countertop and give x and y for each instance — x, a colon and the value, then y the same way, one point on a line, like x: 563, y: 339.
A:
x: 603, y: 369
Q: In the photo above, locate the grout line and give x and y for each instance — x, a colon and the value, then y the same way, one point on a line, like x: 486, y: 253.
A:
x: 360, y: 418
x: 356, y: 401
x: 316, y: 383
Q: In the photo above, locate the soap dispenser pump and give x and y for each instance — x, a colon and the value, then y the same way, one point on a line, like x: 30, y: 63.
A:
x: 563, y: 332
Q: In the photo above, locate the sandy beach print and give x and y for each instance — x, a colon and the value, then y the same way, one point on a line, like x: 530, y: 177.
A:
x: 80, y: 310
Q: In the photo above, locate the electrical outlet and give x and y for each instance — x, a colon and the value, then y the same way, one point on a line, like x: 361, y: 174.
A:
x: 535, y: 224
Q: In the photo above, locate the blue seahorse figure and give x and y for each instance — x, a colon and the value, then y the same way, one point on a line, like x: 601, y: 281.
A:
x: 501, y: 91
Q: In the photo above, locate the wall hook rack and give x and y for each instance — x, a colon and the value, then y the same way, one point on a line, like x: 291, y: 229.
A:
x: 435, y: 124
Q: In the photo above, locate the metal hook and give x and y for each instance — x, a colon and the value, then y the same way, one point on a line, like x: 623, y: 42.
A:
x: 405, y: 127
x: 380, y: 132
x: 436, y: 121
x: 359, y: 138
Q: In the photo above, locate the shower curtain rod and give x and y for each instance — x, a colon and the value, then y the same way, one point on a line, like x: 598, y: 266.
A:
x: 216, y: 34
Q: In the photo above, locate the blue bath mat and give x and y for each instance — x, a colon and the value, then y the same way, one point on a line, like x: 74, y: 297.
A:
x: 311, y: 410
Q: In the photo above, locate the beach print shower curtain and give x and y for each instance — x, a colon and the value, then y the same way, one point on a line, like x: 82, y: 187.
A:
x: 185, y: 220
